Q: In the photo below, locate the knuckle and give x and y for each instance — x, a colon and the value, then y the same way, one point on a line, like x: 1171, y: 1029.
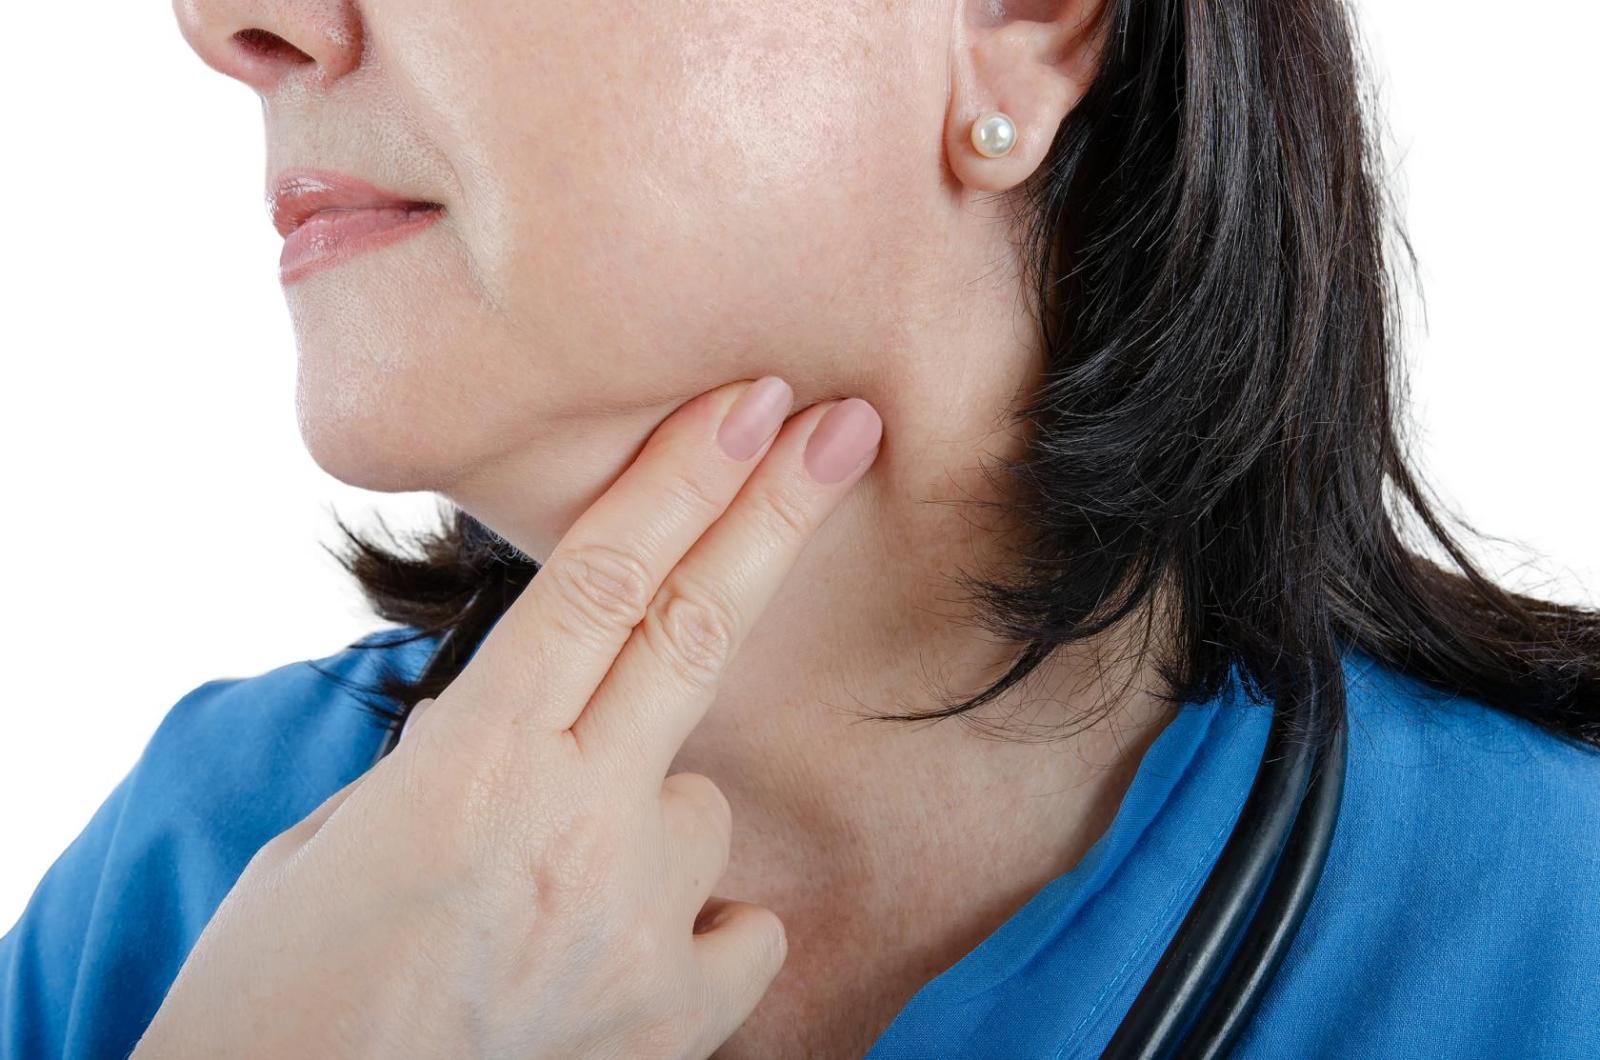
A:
x: 417, y: 772
x: 775, y: 947
x: 780, y: 937
x: 714, y: 804
x: 277, y: 850
x: 784, y: 513
x: 467, y: 796
x: 606, y: 589
x: 575, y: 865
x: 721, y: 810
x: 692, y: 630
x: 437, y: 794
x: 432, y: 770
x: 694, y: 495
x: 707, y: 805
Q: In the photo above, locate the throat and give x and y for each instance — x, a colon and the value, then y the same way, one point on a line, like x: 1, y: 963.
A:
x: 894, y: 873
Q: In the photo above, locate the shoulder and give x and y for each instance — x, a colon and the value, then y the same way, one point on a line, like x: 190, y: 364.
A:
x: 1493, y: 778
x: 1458, y: 912
x: 1460, y: 816
x: 233, y: 762
x: 239, y: 759
x: 276, y: 738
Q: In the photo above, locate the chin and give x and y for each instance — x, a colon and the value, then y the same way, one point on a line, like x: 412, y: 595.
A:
x: 381, y: 419
x: 364, y: 445
x: 379, y: 352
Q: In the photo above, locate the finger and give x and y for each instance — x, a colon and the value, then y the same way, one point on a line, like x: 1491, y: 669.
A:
x: 698, y: 822
x: 741, y: 949
x: 665, y: 677
x: 545, y: 656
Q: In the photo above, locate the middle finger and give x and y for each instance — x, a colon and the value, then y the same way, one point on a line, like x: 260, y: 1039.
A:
x: 551, y: 648
x: 666, y: 675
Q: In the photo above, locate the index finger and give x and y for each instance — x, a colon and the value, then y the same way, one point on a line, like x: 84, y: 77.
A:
x: 550, y: 650
x: 669, y: 674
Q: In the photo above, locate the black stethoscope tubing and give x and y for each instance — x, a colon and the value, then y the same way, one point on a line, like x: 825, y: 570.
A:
x: 1285, y: 827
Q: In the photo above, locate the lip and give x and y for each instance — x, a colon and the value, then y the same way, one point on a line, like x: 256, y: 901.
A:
x: 327, y: 218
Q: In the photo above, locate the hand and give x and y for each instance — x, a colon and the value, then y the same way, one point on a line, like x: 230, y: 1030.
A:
x: 519, y: 877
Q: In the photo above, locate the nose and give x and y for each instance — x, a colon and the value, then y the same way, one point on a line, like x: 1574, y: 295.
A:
x: 262, y: 42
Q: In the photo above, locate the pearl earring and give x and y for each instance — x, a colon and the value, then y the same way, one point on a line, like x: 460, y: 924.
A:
x: 994, y: 134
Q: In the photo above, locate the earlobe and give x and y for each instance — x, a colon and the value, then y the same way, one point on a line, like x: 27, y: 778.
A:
x: 1029, y: 72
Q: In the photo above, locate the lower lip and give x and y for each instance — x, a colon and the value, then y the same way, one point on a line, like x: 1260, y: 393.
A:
x: 332, y: 236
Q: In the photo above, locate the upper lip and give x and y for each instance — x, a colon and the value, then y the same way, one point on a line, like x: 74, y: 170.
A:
x: 298, y: 193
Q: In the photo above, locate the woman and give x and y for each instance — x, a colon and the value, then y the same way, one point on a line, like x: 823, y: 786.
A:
x: 693, y: 308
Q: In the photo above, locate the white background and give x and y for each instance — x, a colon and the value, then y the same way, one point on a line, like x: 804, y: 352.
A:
x: 164, y: 520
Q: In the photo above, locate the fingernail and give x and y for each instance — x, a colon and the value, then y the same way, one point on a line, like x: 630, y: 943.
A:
x: 755, y: 417
x: 843, y: 438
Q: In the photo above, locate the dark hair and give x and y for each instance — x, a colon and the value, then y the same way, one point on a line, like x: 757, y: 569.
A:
x: 1211, y: 246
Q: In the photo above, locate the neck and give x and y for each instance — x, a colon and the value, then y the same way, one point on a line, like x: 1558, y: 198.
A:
x: 869, y: 622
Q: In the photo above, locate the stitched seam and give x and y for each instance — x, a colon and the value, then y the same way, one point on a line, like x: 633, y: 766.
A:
x: 1140, y: 947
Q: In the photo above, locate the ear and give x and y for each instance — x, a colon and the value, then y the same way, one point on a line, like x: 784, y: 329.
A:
x: 1031, y: 59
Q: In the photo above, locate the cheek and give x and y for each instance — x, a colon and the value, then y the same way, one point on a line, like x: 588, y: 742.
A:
x: 668, y: 181
x: 767, y: 173
x: 645, y: 200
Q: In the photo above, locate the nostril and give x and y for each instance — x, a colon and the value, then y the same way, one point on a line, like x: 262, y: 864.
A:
x: 260, y: 44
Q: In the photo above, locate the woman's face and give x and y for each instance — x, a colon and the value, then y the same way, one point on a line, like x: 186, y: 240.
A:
x: 642, y: 199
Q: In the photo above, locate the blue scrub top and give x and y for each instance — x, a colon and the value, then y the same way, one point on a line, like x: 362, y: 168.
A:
x: 1459, y: 913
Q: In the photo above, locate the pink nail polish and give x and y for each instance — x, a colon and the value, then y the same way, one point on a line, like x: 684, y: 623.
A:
x: 755, y: 417
x: 841, y: 440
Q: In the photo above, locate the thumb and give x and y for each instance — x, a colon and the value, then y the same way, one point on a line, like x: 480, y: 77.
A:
x: 741, y: 947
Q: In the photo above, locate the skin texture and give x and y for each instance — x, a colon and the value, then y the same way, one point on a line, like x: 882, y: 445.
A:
x: 644, y: 201
x: 553, y: 882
